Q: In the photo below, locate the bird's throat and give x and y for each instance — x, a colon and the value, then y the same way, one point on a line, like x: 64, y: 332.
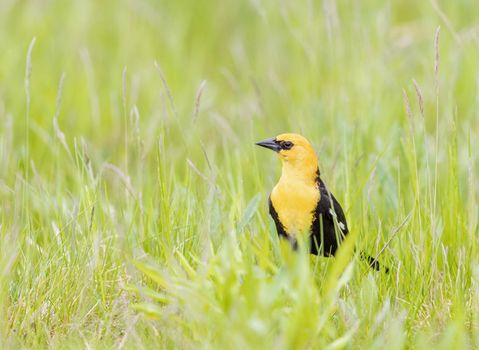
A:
x: 306, y: 173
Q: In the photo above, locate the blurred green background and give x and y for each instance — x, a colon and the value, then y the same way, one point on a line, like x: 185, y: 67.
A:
x: 128, y: 132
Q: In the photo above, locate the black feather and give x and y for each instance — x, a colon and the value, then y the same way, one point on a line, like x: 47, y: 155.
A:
x: 329, y: 226
x: 328, y: 229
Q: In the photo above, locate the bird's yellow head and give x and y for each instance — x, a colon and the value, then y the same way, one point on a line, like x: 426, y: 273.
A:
x: 295, y: 152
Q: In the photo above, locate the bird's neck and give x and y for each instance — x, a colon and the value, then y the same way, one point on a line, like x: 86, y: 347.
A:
x: 306, y: 174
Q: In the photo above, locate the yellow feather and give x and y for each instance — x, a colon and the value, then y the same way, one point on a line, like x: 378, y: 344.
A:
x: 296, y: 195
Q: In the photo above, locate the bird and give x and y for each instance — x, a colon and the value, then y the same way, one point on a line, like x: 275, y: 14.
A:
x: 301, y: 204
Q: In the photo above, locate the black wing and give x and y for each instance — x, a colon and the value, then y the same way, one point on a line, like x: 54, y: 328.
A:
x: 329, y: 226
x: 274, y: 215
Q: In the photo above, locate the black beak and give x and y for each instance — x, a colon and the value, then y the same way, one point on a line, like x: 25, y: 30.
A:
x: 270, y: 143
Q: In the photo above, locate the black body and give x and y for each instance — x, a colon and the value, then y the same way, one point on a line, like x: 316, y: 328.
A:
x: 328, y: 227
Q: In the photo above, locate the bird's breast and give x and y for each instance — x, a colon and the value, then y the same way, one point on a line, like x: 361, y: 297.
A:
x: 295, y: 204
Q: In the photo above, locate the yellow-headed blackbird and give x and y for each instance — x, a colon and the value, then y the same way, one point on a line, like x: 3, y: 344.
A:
x: 301, y: 204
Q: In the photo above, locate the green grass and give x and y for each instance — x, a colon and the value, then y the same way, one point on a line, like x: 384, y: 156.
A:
x: 133, y: 200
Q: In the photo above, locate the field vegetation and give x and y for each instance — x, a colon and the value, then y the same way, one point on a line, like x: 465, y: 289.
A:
x: 133, y: 201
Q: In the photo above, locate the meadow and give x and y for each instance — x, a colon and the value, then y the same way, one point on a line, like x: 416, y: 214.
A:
x: 133, y: 201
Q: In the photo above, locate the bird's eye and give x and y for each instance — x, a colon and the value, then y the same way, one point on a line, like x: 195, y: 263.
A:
x: 286, y: 145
